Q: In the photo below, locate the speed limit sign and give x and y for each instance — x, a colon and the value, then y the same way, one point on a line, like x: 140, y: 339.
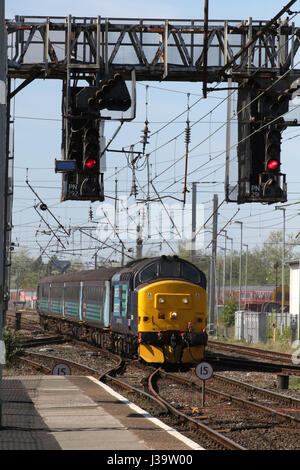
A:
x: 61, y: 369
x: 204, y: 370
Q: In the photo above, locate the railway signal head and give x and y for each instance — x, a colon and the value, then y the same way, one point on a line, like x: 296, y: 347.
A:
x: 90, y: 187
x: 273, y: 150
x: 273, y: 165
x: 80, y: 167
x: 113, y: 94
x: 75, y: 139
x: 91, y: 148
x: 272, y: 181
x: 273, y: 104
x: 90, y: 163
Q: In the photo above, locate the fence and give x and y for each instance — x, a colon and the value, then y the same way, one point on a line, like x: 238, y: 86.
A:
x: 253, y: 326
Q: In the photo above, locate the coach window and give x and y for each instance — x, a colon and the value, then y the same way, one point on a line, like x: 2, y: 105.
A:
x: 45, y: 291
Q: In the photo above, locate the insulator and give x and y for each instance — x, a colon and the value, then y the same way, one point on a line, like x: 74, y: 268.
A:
x: 134, y: 190
x: 187, y: 134
x: 144, y: 137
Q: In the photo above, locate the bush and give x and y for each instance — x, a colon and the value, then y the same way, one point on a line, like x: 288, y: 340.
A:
x: 229, y: 312
x: 12, y: 345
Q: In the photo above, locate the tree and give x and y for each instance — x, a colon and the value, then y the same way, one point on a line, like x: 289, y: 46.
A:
x: 25, y: 271
x: 271, y: 254
x: 228, y: 314
x: 261, y: 261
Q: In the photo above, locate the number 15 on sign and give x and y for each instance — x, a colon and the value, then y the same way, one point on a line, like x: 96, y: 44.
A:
x: 204, y: 371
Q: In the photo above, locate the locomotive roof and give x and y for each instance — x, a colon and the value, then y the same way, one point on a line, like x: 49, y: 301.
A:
x: 104, y: 273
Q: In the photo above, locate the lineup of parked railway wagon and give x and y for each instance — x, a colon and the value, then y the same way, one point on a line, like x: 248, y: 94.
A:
x: 259, y: 298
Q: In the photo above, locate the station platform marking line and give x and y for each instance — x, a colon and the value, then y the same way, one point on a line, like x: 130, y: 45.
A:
x: 193, y: 445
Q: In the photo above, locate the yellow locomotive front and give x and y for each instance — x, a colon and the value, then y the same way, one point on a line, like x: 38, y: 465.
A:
x: 172, y: 320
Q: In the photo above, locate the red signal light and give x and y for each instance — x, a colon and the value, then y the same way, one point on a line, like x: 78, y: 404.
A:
x: 273, y: 165
x: 90, y: 163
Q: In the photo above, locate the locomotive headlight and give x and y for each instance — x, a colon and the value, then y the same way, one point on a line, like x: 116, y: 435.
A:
x: 174, y: 315
x: 161, y: 301
x: 185, y: 301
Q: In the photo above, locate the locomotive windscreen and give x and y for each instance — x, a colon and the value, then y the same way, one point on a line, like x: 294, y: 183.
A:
x: 170, y: 267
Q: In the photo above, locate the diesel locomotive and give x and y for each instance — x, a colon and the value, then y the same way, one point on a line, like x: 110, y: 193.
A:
x: 154, y: 308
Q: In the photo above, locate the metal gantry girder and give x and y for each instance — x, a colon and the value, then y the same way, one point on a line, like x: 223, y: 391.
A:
x: 158, y: 49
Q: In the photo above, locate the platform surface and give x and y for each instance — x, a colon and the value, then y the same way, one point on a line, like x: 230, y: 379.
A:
x: 78, y: 413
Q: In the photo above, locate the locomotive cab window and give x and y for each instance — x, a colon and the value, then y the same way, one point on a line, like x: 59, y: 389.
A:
x: 190, y: 273
x: 169, y: 268
x: 148, y: 273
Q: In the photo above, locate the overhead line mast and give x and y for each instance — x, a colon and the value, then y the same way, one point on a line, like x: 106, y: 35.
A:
x: 3, y: 190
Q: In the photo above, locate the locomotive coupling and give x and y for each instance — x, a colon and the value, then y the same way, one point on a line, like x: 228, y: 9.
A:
x: 173, y: 342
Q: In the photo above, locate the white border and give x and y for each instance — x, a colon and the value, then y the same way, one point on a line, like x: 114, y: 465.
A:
x: 2, y: 352
x: 193, y: 445
x: 2, y: 92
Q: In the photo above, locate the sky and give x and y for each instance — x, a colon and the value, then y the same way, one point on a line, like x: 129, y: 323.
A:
x: 36, y: 114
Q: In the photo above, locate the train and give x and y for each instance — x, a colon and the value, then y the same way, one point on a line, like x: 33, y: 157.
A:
x: 255, y: 298
x: 152, y: 309
x: 22, y: 297
x: 277, y: 296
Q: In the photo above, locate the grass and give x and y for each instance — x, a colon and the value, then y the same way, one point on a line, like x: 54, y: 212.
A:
x: 12, y: 345
x: 281, y: 344
x: 294, y: 383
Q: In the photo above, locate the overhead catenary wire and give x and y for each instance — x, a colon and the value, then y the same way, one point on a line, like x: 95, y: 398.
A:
x: 248, y: 136
x: 170, y: 122
x: 225, y: 123
x: 158, y: 176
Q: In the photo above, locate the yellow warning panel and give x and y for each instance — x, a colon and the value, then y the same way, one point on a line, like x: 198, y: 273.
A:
x: 151, y: 353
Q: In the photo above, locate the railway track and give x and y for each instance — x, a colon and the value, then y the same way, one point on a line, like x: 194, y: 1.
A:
x: 154, y: 405
x: 247, y: 351
x: 42, y: 340
x: 251, y: 358
x: 253, y: 391
x: 250, y: 421
x: 40, y: 359
x: 212, y: 438
x: 217, y: 426
x: 239, y: 416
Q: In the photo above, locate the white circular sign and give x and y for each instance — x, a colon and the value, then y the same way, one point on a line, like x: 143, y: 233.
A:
x: 204, y: 370
x: 61, y: 369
